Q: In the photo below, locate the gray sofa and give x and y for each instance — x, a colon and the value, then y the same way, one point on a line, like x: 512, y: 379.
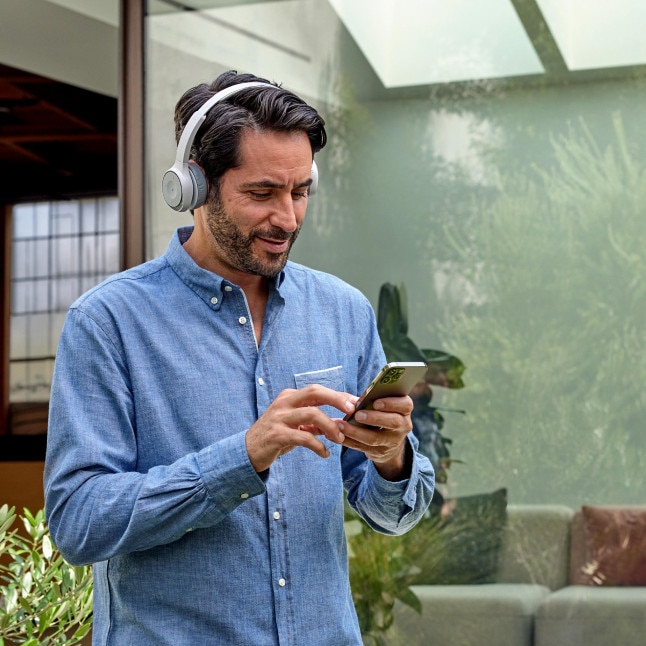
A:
x: 532, y: 601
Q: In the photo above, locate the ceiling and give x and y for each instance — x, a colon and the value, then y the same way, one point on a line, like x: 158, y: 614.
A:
x: 56, y: 140
x: 465, y: 40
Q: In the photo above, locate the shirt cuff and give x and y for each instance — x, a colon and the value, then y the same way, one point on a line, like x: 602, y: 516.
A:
x: 228, y: 476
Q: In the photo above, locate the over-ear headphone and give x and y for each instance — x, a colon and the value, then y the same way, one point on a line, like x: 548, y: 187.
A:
x: 184, y: 186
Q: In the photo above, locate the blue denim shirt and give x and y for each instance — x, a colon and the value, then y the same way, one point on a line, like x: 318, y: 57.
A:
x: 157, y: 378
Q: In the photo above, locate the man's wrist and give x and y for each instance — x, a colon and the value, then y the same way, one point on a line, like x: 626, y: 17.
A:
x: 398, y: 468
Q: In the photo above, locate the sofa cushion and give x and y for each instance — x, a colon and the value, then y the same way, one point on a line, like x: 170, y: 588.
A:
x: 592, y: 616
x: 536, y: 545
x: 470, y: 615
x: 609, y: 546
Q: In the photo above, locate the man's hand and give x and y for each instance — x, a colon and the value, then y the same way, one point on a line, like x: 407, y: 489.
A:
x: 386, y: 444
x: 293, y: 419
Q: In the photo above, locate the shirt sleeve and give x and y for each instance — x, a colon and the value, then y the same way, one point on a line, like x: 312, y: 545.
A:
x: 98, y: 504
x: 388, y: 507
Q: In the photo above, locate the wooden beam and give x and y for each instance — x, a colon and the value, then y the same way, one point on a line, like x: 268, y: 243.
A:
x: 541, y: 37
x: 131, y: 132
x: 5, y: 318
x: 48, y: 135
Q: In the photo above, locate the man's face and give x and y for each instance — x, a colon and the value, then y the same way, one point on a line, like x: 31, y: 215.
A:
x: 262, y: 203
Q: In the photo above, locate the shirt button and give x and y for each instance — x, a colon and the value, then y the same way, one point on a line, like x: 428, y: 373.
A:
x: 244, y: 496
x: 261, y: 381
x: 228, y: 288
x: 214, y: 300
x: 282, y: 582
x: 242, y: 320
x: 276, y: 515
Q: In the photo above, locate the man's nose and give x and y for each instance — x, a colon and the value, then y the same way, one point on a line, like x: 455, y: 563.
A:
x: 284, y: 214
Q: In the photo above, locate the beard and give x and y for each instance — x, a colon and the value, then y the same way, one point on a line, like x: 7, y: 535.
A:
x: 237, y: 247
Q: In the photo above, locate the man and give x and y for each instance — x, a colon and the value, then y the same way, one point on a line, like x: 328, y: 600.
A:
x: 196, y: 453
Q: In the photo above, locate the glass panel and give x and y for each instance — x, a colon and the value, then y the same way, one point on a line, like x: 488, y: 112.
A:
x: 19, y: 337
x: 109, y: 263
x: 66, y: 260
x: 497, y: 177
x: 65, y: 218
x: 23, y: 221
x: 89, y: 214
x: 64, y: 292
x: 49, y: 272
x: 20, y: 265
x: 23, y: 297
x: 31, y: 382
x: 108, y: 214
x: 31, y: 220
x: 39, y: 333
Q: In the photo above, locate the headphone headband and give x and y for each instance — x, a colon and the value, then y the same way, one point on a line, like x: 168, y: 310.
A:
x: 184, y: 186
x: 198, y: 117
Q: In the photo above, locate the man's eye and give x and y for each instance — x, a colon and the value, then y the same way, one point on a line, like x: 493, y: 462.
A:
x: 260, y: 195
x: 297, y: 195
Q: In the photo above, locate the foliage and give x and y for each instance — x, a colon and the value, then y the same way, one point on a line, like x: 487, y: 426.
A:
x: 380, y: 573
x: 555, y: 341
x: 382, y: 568
x: 45, y: 601
x: 444, y: 370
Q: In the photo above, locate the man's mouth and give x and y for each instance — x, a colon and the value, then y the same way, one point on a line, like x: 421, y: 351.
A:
x: 275, y: 245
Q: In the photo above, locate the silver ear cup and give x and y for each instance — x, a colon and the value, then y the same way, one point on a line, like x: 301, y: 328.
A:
x: 172, y: 189
x: 184, y: 187
x: 178, y: 187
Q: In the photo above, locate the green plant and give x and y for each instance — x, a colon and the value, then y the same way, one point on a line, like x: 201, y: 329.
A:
x: 380, y: 573
x: 444, y: 370
x: 44, y: 600
x: 383, y: 568
x: 555, y: 338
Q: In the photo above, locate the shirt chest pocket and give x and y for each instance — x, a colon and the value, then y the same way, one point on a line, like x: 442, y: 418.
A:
x: 329, y: 377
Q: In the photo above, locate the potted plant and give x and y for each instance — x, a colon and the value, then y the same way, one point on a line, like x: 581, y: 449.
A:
x: 383, y: 568
x: 44, y: 601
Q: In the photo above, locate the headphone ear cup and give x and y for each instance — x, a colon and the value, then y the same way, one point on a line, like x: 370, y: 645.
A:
x: 200, y: 185
x: 175, y: 186
x: 315, y: 179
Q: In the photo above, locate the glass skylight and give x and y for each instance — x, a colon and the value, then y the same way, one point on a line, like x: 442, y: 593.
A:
x: 596, y: 33
x: 420, y: 42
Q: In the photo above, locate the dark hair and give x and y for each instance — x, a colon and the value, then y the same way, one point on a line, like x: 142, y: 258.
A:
x: 216, y: 147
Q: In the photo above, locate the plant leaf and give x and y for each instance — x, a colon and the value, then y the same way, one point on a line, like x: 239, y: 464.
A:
x: 444, y: 369
x: 408, y: 597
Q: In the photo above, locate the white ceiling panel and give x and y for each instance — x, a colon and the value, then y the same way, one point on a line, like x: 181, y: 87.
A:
x: 419, y: 42
x: 598, y: 33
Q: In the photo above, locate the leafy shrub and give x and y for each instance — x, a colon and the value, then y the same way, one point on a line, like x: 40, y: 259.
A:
x: 44, y: 601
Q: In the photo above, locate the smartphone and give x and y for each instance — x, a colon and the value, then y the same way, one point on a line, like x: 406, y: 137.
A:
x: 395, y: 379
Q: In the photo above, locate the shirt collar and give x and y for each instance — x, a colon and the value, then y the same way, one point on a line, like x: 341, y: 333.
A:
x: 206, y: 284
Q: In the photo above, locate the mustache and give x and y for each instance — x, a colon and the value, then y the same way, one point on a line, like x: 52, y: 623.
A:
x: 275, y: 233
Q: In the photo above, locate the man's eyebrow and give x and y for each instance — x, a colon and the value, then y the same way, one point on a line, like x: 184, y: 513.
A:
x: 265, y: 183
